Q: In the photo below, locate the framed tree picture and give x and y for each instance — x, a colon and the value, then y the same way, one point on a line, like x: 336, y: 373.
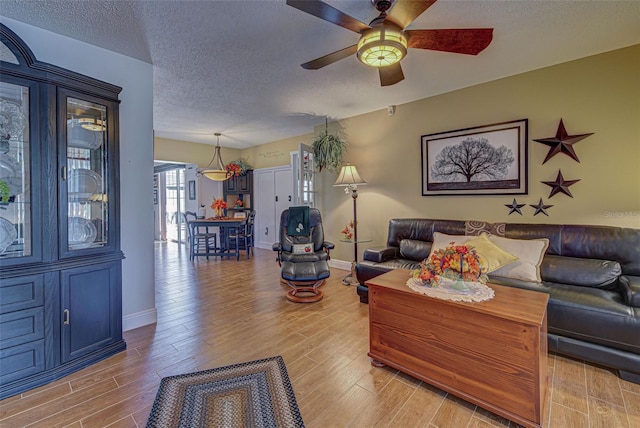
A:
x: 484, y: 160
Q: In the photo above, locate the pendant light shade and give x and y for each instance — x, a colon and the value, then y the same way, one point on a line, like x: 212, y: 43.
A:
x: 215, y: 170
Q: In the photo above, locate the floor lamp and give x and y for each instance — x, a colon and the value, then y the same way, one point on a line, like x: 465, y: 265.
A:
x: 349, y: 178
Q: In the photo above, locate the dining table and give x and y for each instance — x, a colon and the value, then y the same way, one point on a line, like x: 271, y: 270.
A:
x: 224, y: 224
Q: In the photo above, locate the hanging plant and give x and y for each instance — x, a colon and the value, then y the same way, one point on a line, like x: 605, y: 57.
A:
x: 327, y: 150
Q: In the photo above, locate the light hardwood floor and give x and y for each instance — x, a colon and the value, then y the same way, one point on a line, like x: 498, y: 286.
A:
x: 215, y: 313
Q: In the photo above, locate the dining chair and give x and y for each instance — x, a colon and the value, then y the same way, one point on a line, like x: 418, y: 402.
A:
x: 242, y: 236
x: 201, y: 240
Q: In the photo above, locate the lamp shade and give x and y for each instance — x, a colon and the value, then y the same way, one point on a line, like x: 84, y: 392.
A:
x: 349, y: 177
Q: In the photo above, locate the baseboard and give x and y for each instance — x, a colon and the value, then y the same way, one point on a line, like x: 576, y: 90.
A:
x: 139, y: 319
x: 340, y: 264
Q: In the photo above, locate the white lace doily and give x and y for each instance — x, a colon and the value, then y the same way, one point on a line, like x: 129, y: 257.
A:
x: 477, y: 291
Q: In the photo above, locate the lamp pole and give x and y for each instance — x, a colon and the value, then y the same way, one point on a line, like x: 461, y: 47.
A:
x: 354, y: 196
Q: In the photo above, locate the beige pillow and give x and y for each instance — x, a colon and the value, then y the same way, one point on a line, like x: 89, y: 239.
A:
x: 491, y: 256
x: 442, y: 241
x: 529, y: 253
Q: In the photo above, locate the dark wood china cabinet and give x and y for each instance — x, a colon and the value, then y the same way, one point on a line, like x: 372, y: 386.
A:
x: 60, y: 257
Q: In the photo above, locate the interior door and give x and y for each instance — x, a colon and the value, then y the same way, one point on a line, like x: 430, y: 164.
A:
x: 284, y: 192
x: 265, y: 221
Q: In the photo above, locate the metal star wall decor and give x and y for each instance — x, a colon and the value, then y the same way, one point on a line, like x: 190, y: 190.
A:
x: 540, y: 208
x: 562, y: 143
x: 560, y: 185
x: 514, y: 207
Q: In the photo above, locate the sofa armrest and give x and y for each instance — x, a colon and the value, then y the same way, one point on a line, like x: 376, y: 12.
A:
x: 380, y: 254
x: 630, y: 286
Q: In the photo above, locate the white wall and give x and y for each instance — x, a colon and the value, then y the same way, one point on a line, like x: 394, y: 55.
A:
x: 136, y: 154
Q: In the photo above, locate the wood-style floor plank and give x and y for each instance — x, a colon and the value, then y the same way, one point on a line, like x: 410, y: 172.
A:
x: 220, y: 312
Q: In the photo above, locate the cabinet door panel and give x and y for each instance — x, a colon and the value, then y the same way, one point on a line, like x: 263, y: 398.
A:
x: 20, y: 361
x: 20, y: 236
x: 21, y: 327
x: 90, y: 317
x: 21, y: 293
x: 87, y: 189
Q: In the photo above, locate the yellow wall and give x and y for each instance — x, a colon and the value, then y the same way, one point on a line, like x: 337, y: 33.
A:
x: 165, y: 149
x: 599, y: 94
x: 276, y: 153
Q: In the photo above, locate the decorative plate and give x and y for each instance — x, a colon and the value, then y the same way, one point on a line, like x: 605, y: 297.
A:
x: 8, y: 234
x: 83, y: 182
x: 11, y: 174
x: 82, y: 232
x: 82, y: 138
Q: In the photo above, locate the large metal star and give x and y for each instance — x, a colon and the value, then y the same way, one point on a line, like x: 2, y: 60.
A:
x: 562, y: 143
x: 560, y: 185
x: 540, y: 208
x: 514, y: 207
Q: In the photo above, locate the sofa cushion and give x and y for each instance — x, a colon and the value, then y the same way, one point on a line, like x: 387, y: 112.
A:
x: 413, y: 249
x: 529, y: 253
x: 584, y: 272
x: 491, y: 256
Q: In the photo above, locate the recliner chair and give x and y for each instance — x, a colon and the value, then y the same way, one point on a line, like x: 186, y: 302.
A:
x: 303, y: 257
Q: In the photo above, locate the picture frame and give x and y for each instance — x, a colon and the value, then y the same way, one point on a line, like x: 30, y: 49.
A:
x: 482, y: 160
x: 192, y: 190
x: 240, y: 214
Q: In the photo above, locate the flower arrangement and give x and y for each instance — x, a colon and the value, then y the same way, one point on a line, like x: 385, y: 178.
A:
x: 238, y: 167
x: 218, y: 205
x: 348, y: 231
x: 453, y: 262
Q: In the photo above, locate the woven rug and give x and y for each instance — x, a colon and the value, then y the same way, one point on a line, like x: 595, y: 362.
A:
x: 253, y: 394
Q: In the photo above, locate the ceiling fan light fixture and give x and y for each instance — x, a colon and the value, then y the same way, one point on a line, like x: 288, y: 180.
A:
x: 382, y: 46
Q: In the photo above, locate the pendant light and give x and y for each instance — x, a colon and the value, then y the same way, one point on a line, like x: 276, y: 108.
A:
x: 218, y: 172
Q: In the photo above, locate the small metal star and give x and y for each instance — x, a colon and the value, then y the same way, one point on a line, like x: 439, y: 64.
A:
x: 562, y: 143
x: 514, y: 207
x: 560, y: 185
x: 540, y: 208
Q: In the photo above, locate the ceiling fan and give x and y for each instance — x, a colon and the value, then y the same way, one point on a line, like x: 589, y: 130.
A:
x: 384, y: 42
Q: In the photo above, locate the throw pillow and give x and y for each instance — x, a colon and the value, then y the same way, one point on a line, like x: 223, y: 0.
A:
x: 529, y: 253
x: 477, y: 228
x: 302, y: 248
x: 442, y: 241
x: 491, y: 256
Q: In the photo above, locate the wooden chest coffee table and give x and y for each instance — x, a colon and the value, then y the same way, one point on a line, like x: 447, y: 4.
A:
x: 492, y: 354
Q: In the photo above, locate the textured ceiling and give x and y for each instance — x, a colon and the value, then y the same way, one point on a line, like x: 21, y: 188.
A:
x: 234, y: 66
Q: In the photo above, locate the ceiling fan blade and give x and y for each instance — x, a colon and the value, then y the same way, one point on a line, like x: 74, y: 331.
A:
x: 328, y: 13
x: 403, y: 12
x: 470, y: 41
x: 391, y: 75
x: 330, y: 58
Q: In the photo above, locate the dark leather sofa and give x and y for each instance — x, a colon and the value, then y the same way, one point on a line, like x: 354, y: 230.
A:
x: 591, y: 273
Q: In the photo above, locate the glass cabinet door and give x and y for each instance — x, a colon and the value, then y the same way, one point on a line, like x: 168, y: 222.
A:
x: 16, y: 218
x: 86, y: 173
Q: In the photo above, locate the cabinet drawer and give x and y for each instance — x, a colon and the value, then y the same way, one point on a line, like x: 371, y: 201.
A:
x: 21, y: 293
x: 21, y: 327
x: 20, y: 361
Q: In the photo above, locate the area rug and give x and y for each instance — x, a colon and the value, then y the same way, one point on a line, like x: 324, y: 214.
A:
x: 253, y: 394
